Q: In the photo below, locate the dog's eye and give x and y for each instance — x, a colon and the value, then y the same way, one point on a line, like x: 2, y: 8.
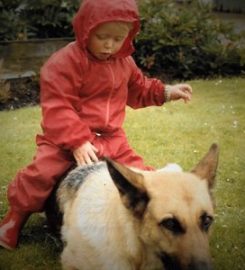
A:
x: 173, y: 225
x: 206, y: 221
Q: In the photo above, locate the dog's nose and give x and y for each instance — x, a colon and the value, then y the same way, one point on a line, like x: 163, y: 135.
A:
x: 200, y: 265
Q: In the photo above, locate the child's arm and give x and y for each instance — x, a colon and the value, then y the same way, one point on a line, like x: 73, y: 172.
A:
x: 85, y: 154
x: 60, y: 83
x: 144, y: 91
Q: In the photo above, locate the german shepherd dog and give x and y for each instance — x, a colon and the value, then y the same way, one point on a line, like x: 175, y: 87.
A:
x: 119, y: 218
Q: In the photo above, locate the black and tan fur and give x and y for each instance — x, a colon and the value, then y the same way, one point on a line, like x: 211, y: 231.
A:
x: 117, y: 218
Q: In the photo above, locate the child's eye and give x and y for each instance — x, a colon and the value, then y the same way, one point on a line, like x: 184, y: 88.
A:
x: 118, y: 39
x: 101, y: 37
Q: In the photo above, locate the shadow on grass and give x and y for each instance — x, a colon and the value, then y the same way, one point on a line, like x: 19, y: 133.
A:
x: 37, y: 231
x: 36, y: 243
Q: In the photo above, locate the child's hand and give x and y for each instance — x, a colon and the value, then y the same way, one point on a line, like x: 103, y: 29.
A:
x: 179, y: 91
x: 85, y: 154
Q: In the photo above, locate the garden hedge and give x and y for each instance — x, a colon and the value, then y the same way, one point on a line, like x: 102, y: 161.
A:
x: 181, y: 41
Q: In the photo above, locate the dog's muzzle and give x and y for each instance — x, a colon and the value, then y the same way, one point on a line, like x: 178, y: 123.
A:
x: 169, y: 262
x: 200, y: 265
x: 172, y: 263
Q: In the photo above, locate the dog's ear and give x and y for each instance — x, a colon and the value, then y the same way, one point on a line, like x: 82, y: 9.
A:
x: 207, y: 167
x: 130, y: 186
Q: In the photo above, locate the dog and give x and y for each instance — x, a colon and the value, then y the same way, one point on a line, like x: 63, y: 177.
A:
x: 120, y: 218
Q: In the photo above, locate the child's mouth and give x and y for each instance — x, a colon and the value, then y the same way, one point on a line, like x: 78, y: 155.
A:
x: 104, y: 56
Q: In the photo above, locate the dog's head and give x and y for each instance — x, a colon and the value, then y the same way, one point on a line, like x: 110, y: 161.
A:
x: 174, y: 210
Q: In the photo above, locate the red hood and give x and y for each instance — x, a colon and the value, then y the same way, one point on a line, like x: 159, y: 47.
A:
x: 94, y: 12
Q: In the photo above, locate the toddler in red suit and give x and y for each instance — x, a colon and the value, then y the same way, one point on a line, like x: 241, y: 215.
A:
x: 85, y: 88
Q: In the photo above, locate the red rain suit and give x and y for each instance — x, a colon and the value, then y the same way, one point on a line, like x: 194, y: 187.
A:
x: 84, y: 99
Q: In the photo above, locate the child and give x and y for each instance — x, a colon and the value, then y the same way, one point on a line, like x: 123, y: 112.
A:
x: 85, y: 88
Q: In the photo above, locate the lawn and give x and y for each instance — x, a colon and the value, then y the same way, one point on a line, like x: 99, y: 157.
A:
x: 177, y: 132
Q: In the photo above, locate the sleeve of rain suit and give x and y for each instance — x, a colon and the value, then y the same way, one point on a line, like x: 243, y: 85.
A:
x: 60, y: 84
x: 143, y: 91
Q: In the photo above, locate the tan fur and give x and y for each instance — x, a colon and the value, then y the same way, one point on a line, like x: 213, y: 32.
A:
x: 115, y: 219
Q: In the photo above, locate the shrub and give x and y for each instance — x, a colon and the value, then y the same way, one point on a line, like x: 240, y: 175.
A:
x: 180, y: 40
x: 9, y: 17
x: 20, y: 92
x: 23, y: 19
x: 52, y: 18
x: 186, y: 41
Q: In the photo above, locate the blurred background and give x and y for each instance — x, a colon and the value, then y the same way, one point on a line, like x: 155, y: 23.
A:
x: 179, y: 39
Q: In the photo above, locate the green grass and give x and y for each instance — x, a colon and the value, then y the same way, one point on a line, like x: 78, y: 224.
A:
x: 177, y: 133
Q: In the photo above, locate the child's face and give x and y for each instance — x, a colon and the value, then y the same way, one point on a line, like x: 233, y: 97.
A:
x: 107, y: 39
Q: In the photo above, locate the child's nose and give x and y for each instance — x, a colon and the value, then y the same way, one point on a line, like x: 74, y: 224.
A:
x: 109, y: 44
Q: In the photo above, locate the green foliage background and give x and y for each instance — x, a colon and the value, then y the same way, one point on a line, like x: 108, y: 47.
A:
x: 186, y: 41
x: 179, y: 40
x: 24, y: 19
